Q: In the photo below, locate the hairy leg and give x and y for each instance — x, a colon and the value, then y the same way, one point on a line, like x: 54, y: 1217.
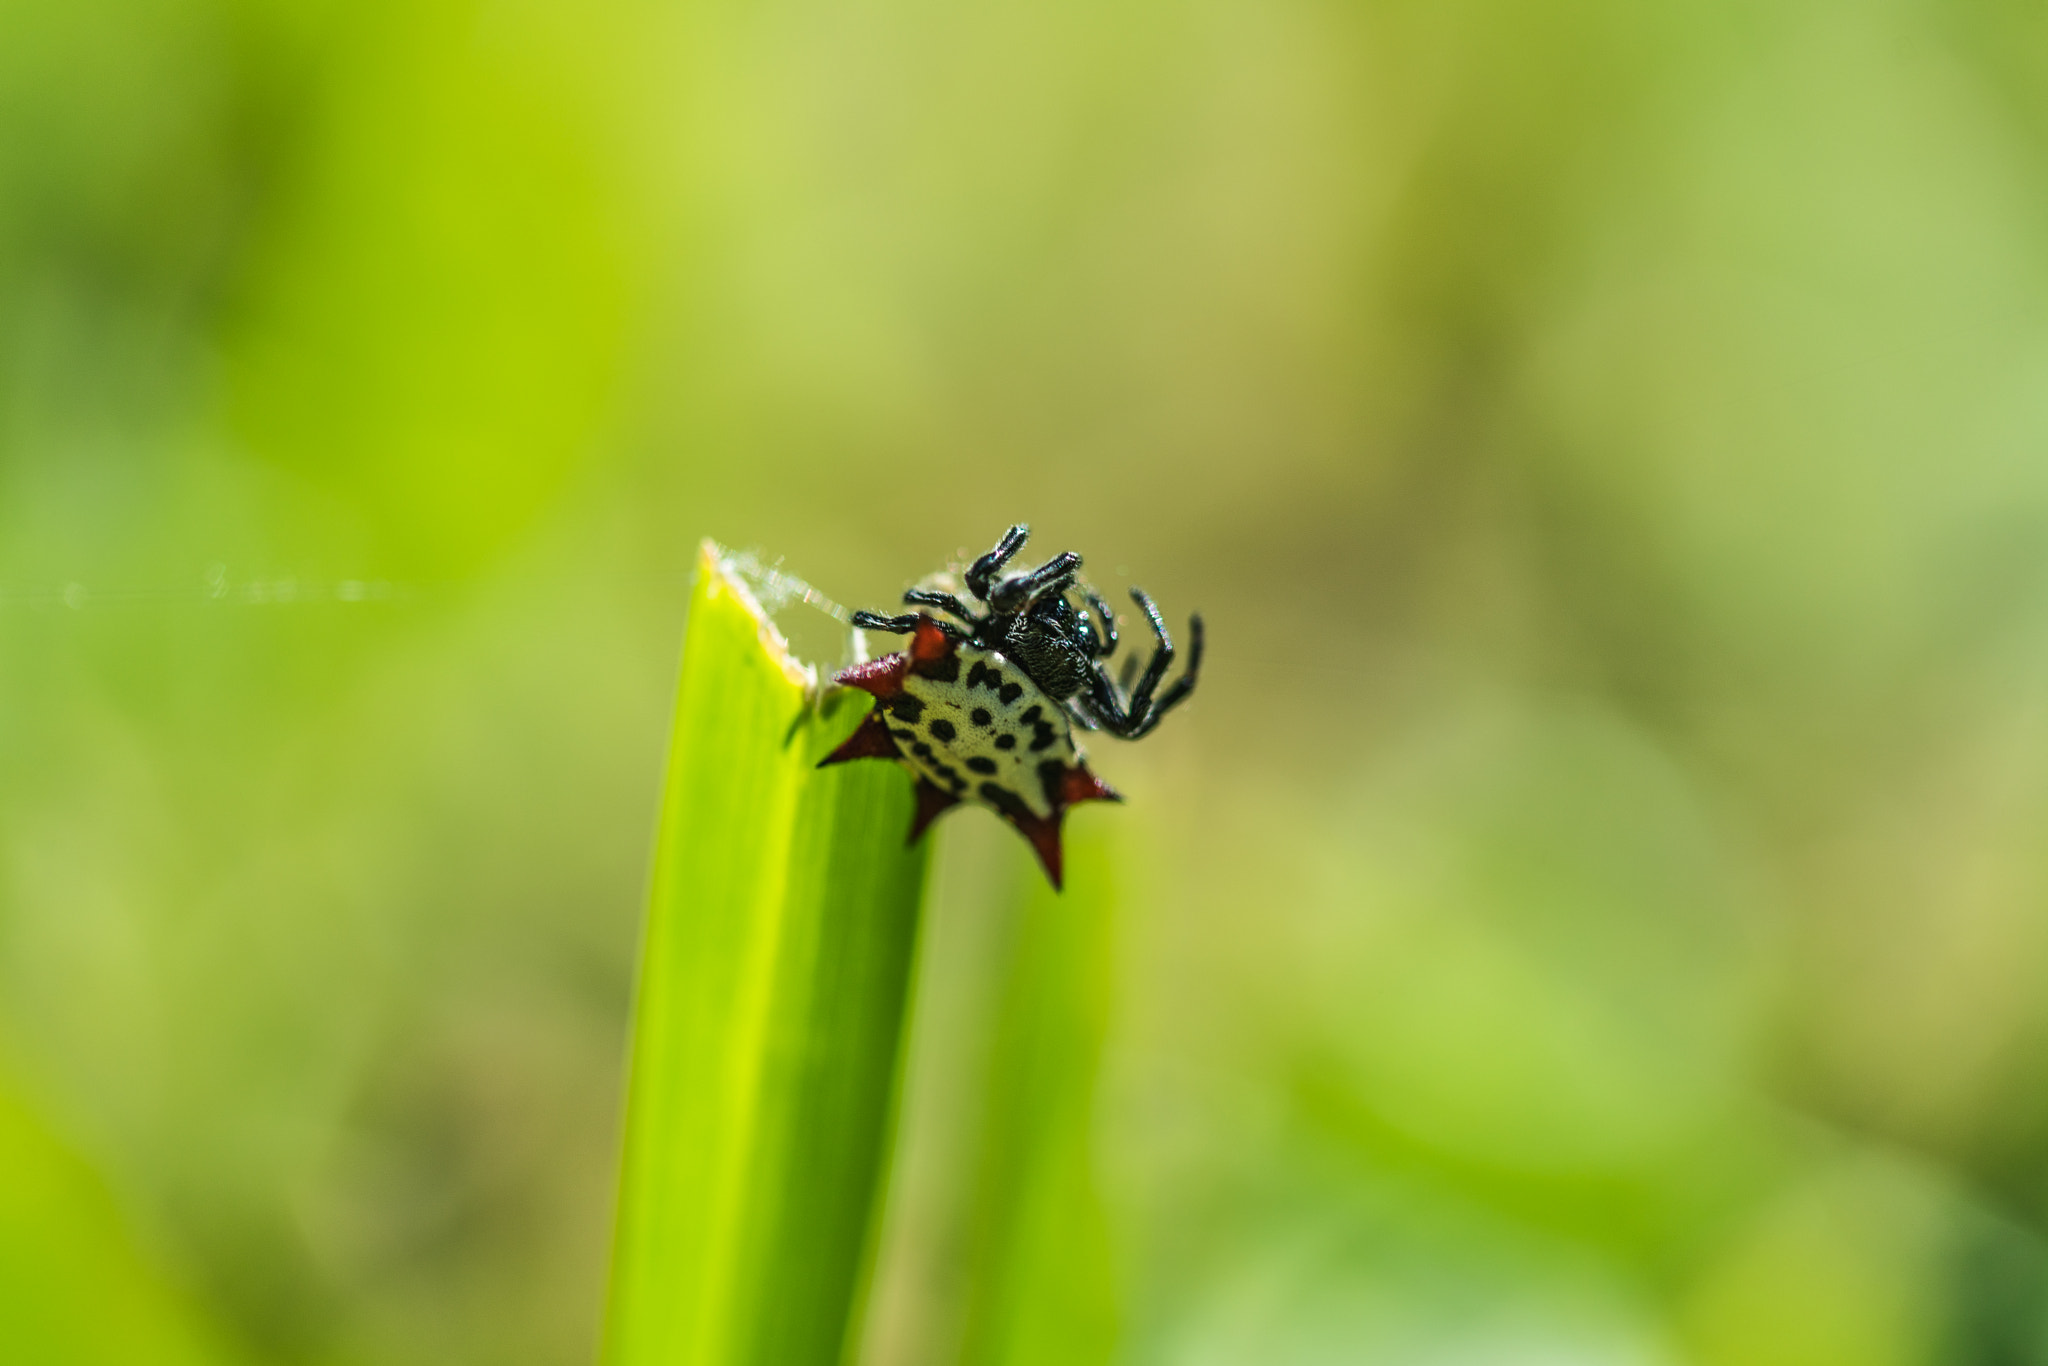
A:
x: 945, y: 602
x: 1017, y: 593
x: 902, y: 625
x: 1102, y: 642
x: 983, y: 570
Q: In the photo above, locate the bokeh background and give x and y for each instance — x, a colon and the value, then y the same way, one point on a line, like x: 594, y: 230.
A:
x: 1595, y: 910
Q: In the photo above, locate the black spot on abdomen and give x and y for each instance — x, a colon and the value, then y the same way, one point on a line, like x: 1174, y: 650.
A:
x: 1043, y: 732
x: 1052, y: 776
x: 981, y: 763
x: 904, y: 707
x: 942, y: 729
x: 1006, y: 741
x: 1010, y: 692
x: 980, y: 716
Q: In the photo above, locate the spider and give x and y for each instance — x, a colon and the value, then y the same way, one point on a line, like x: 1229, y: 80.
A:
x: 1058, y: 646
x: 980, y: 708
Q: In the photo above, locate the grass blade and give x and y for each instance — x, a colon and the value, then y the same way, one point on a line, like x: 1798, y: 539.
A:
x: 1042, y: 1284
x: 779, y: 940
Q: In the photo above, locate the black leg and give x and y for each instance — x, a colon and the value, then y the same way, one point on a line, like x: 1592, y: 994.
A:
x: 1182, y: 686
x: 1017, y: 593
x: 1103, y: 642
x: 875, y: 621
x: 1136, y: 717
x: 945, y: 602
x: 903, y: 625
x: 984, y: 569
x: 1102, y: 708
x: 1161, y: 661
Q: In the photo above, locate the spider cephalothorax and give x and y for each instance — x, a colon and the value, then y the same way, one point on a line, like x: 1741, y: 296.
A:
x: 981, y: 708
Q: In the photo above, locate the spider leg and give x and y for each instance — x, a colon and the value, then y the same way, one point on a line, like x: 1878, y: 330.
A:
x: 945, y: 602
x: 984, y: 569
x: 1156, y: 667
x: 1142, y: 712
x: 902, y: 625
x: 1105, y: 642
x: 1019, y: 591
x: 1182, y: 686
x: 1101, y: 708
x: 875, y: 621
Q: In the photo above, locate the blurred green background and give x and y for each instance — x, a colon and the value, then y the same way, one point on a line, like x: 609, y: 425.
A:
x: 1595, y: 910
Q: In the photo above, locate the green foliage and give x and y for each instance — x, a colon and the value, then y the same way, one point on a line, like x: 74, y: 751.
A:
x: 1042, y: 1285
x: 74, y: 1290
x: 1593, y: 910
x: 779, y: 941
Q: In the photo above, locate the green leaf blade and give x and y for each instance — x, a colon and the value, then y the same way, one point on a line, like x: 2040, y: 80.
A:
x: 1043, y: 1286
x: 781, y: 930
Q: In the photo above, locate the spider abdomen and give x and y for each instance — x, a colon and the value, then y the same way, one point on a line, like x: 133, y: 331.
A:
x: 973, y: 727
x: 985, y: 734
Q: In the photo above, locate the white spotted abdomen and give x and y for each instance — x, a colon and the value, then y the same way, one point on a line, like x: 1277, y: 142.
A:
x: 987, y: 730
